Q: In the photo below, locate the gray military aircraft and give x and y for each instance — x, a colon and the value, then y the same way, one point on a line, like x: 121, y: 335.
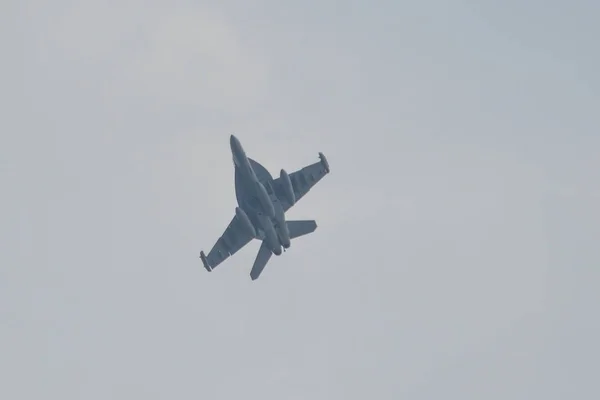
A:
x: 262, y: 204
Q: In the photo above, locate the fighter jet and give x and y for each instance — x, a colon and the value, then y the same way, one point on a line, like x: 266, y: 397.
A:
x: 262, y: 204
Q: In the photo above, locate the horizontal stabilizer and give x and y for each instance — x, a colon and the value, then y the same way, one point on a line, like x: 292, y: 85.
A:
x: 262, y: 258
x: 300, y: 228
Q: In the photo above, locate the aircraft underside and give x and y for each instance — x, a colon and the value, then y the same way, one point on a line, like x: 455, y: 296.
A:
x: 262, y: 204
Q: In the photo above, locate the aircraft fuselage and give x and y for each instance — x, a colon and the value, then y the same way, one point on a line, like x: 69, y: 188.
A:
x: 240, y: 159
x: 260, y: 214
x: 256, y: 197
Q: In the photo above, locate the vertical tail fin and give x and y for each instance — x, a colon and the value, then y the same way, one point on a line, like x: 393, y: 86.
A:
x: 300, y: 228
x: 262, y: 258
x: 296, y: 228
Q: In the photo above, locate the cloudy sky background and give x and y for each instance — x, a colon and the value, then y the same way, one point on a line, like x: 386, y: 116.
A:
x: 456, y: 255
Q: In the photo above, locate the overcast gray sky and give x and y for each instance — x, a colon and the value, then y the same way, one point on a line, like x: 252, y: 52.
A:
x: 457, y: 251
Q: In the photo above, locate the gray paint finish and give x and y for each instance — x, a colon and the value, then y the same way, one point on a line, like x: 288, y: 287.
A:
x: 262, y: 204
x: 456, y: 255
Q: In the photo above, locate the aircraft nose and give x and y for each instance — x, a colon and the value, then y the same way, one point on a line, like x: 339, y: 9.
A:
x: 235, y: 144
x: 236, y: 147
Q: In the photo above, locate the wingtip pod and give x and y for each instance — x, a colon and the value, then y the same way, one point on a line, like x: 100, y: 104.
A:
x: 324, y: 162
x: 205, y: 261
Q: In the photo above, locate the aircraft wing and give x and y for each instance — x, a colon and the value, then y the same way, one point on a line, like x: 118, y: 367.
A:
x: 233, y: 239
x: 303, y: 180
